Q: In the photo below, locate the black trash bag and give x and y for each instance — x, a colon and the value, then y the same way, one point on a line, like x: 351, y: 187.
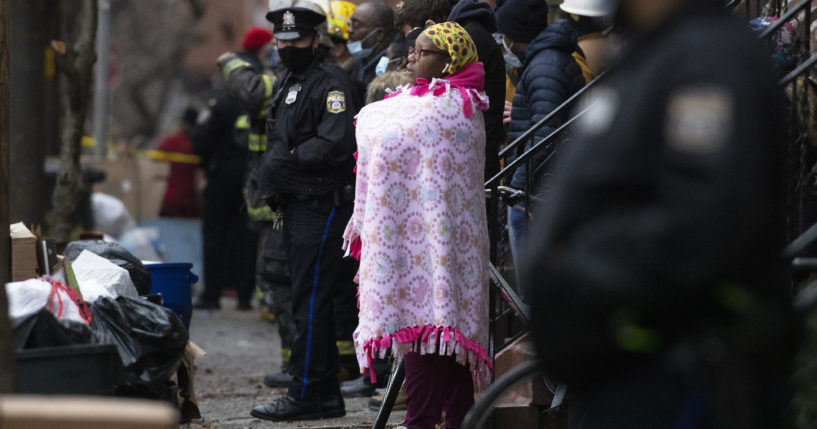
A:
x: 117, y: 254
x: 42, y: 329
x: 150, y: 339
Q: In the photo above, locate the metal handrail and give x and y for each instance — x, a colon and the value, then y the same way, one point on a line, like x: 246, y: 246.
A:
x: 799, y: 70
x: 558, y: 110
x: 731, y: 4
x: 801, y: 243
x: 784, y: 19
x: 398, y: 375
x: 510, y: 297
x: 533, y: 150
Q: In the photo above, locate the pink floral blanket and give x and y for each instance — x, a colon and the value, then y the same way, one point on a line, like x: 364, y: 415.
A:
x: 420, y: 217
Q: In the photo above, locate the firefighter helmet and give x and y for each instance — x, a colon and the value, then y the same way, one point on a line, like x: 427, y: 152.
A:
x: 340, y: 14
x: 593, y: 8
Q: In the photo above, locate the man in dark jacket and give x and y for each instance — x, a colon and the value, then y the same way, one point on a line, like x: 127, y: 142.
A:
x: 659, y: 294
x: 550, y: 76
x: 252, y: 89
x: 371, y: 30
x: 229, y: 256
x: 479, y: 21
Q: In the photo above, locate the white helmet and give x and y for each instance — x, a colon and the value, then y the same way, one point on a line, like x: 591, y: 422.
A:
x: 593, y: 8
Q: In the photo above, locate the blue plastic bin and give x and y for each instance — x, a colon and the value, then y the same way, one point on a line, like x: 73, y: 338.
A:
x: 173, y: 281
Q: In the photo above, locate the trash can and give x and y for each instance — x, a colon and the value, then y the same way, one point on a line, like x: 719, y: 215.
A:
x: 173, y: 281
x: 82, y: 369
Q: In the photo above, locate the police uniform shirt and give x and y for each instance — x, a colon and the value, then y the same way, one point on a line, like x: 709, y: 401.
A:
x: 310, y: 134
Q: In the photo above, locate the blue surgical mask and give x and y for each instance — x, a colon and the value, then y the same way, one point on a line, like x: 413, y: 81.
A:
x: 381, y: 66
x: 273, y: 58
x: 512, y: 60
x: 357, y: 49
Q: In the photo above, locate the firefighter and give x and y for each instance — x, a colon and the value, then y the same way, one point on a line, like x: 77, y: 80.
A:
x: 338, y: 29
x: 253, y: 90
x: 229, y: 252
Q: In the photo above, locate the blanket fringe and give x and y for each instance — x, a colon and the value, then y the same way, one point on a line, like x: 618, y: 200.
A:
x: 430, y: 339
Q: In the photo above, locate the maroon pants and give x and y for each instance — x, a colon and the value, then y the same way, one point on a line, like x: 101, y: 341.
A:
x: 435, y: 384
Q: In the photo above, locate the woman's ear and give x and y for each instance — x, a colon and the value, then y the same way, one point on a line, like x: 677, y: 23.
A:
x: 429, y: 23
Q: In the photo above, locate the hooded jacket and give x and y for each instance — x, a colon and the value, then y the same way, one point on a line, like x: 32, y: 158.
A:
x: 550, y: 77
x: 479, y: 21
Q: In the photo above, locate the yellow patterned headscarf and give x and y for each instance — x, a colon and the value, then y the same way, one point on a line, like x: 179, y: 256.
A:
x: 452, y: 39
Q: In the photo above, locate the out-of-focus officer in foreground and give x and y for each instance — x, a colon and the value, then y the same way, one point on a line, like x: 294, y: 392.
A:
x: 307, y: 172
x: 659, y: 290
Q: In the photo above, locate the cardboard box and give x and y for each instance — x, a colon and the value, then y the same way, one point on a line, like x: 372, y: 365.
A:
x: 153, y: 182
x: 138, y: 181
x: 24, y: 264
x: 121, y: 181
x: 530, y: 392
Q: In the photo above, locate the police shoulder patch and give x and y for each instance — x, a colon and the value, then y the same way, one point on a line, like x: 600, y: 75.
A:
x: 335, y: 102
x: 203, y: 117
x: 699, y: 119
x: 600, y: 108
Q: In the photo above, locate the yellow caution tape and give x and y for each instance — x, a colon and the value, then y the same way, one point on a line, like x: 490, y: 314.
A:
x: 182, y: 158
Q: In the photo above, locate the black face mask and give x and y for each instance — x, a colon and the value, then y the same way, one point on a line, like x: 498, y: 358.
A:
x: 296, y: 59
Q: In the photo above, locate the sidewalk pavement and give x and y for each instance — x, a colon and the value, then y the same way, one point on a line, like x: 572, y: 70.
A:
x: 241, y: 349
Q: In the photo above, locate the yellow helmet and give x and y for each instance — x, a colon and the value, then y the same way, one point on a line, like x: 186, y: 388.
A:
x: 340, y: 14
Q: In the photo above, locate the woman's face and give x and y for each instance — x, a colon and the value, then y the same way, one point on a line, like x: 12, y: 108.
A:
x: 426, y: 61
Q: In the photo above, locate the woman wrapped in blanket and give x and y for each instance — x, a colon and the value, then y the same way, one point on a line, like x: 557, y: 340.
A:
x: 420, y: 231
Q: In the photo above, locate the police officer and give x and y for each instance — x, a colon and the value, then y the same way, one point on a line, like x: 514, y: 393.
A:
x: 253, y: 90
x: 656, y: 276
x: 307, y: 172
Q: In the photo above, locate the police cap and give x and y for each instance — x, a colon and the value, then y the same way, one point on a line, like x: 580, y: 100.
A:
x: 294, y: 22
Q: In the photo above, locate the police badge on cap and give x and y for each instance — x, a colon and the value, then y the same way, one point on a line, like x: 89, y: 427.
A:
x: 294, y: 22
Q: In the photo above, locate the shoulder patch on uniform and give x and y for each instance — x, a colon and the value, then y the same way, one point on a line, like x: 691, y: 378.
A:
x: 204, y: 116
x: 600, y: 107
x: 699, y: 119
x: 335, y: 102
